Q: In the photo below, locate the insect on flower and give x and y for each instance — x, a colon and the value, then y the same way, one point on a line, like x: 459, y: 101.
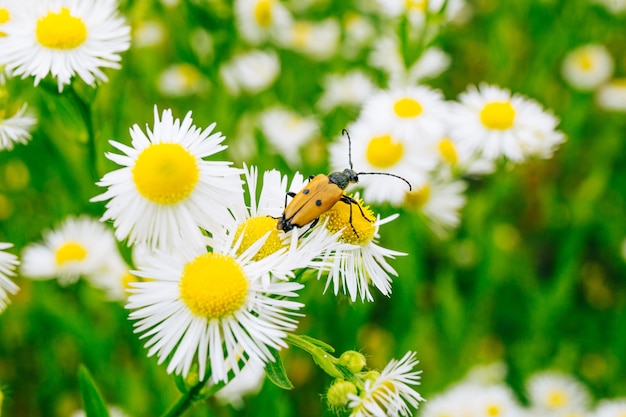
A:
x: 321, y: 194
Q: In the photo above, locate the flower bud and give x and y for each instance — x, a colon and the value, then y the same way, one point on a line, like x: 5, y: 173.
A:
x: 337, y: 395
x: 353, y: 360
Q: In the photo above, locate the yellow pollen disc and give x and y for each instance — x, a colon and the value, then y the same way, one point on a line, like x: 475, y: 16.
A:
x: 263, y: 13
x: 557, y: 399
x: 165, y: 173
x: 70, y: 252
x: 416, y: 5
x: 339, y: 218
x: 4, y: 17
x: 498, y: 115
x: 585, y: 61
x: 493, y: 410
x: 448, y: 151
x: 61, y: 30
x: 384, y: 152
x: 254, y: 229
x: 213, y: 286
x: 302, y: 33
x: 407, y: 107
x: 127, y: 279
x: 418, y: 198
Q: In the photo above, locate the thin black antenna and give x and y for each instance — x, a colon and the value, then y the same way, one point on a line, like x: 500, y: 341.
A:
x: 386, y: 173
x: 345, y: 132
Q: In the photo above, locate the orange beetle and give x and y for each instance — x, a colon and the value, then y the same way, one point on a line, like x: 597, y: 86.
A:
x: 321, y: 194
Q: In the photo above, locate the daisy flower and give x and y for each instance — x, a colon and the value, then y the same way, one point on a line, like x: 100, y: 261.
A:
x: 8, y: 263
x: 16, y: 128
x: 359, y: 31
x: 361, y: 262
x: 610, y: 408
x: 556, y: 392
x: 79, y: 246
x: 148, y: 33
x: 316, y: 40
x: 256, y: 218
x: 113, y: 278
x: 587, y: 67
x: 165, y: 191
x: 389, y: 393
x: 440, y: 202
x: 213, y: 308
x: 456, y: 161
x: 473, y: 400
x: 380, y: 146
x: 351, y: 89
x: 64, y: 38
x: 612, y: 95
x: 262, y: 20
x: 493, y: 122
x: 251, y: 72
x: 287, y: 131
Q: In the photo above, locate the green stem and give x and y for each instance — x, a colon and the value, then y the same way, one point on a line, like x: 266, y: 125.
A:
x: 86, y: 113
x: 185, y: 401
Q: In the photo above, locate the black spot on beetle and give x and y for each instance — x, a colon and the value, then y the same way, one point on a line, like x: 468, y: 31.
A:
x: 306, y: 191
x: 318, y: 203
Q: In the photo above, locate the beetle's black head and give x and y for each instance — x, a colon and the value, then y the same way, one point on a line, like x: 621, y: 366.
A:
x: 344, y: 178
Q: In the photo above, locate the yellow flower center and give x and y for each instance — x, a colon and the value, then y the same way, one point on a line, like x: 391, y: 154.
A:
x: 255, y: 228
x: 302, y: 33
x: 263, y: 13
x: 418, y: 198
x: 4, y: 17
x: 165, y: 173
x: 493, y: 410
x: 70, y: 252
x: 585, y: 61
x: 416, y: 4
x: 557, y: 399
x: 407, y: 107
x: 339, y: 218
x: 213, y: 286
x: 61, y: 30
x: 498, y: 115
x: 127, y: 279
x: 448, y: 151
x: 384, y: 152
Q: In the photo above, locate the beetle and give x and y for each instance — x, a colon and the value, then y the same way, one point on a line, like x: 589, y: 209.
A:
x: 321, y: 194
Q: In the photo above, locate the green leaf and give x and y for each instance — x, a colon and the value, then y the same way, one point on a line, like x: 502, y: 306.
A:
x: 328, y: 348
x: 276, y: 373
x: 92, y: 399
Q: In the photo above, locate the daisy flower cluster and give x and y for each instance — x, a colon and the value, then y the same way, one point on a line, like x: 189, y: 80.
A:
x: 434, y: 144
x: 590, y: 68
x: 547, y: 394
x: 62, y: 39
x: 220, y: 280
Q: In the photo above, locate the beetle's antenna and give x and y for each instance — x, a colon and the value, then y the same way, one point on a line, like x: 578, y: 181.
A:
x: 386, y: 173
x: 345, y: 132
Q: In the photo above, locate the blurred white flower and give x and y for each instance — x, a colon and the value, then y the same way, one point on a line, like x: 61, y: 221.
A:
x: 288, y: 131
x: 166, y: 192
x: 351, y: 89
x: 64, y: 38
x: 551, y: 392
x: 491, y: 121
x: 359, y: 32
x: 440, y: 202
x: 612, y: 95
x: 610, y: 408
x: 179, y: 80
x: 613, y: 6
x: 8, y: 263
x: 587, y: 67
x: 16, y: 128
x: 316, y: 40
x: 473, y: 399
x: 148, y: 33
x: 248, y: 382
x: 79, y: 246
x: 250, y: 72
x: 260, y: 21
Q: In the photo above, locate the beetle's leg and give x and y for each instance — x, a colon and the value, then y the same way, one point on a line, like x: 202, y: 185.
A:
x: 289, y: 194
x: 351, y: 201
x: 311, y: 177
x: 348, y: 199
x: 313, y: 223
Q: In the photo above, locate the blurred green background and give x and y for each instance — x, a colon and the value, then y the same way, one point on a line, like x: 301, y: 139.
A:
x: 534, y: 276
